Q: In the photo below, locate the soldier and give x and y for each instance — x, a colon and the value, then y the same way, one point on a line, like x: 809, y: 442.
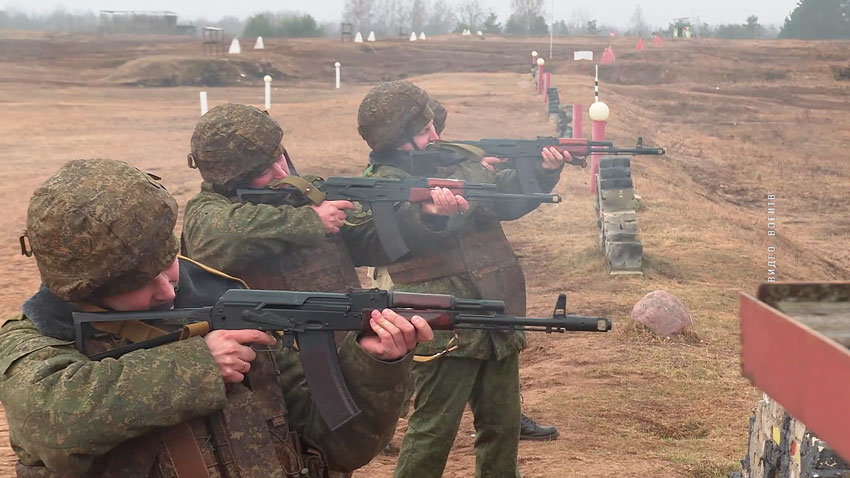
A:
x: 472, y: 259
x: 529, y: 429
x: 102, y: 235
x: 278, y: 245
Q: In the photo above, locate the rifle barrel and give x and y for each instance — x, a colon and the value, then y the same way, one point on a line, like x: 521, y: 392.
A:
x: 489, y: 196
x: 563, y: 323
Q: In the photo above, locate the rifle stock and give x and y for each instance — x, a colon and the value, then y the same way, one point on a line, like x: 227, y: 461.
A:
x: 312, y: 318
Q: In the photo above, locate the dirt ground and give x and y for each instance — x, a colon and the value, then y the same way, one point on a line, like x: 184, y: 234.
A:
x: 740, y: 120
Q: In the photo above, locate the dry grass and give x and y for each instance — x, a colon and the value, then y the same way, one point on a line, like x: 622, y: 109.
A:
x: 627, y: 403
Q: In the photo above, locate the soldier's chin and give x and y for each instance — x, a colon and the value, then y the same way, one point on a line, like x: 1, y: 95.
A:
x: 164, y: 306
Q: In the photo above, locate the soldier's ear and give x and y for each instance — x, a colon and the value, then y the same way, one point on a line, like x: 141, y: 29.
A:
x: 190, y: 158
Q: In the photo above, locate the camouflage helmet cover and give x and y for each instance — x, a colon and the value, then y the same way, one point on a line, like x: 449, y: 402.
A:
x: 440, y: 115
x: 392, y: 113
x: 234, y: 143
x: 99, y: 228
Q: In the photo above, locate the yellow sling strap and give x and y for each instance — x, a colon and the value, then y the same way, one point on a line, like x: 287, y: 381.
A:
x: 451, y: 346
x: 468, y: 150
x: 308, y: 189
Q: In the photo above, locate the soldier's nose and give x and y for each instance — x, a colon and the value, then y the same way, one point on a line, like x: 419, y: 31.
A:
x: 278, y: 171
x: 164, y: 288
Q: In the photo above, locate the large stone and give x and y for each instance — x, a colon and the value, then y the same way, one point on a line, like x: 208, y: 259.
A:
x: 662, y: 312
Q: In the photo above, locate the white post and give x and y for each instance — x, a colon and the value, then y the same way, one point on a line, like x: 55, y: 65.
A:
x: 268, y: 80
x: 203, y: 103
x: 551, y: 28
x: 336, y: 66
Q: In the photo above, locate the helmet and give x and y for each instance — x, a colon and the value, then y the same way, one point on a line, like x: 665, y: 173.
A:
x: 440, y: 115
x: 392, y: 113
x: 235, y: 143
x: 99, y: 228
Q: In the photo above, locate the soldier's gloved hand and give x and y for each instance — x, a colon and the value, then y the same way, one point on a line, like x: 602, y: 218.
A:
x: 231, y: 354
x: 553, y: 159
x: 489, y: 161
x: 396, y: 336
x: 444, y: 203
x: 332, y: 214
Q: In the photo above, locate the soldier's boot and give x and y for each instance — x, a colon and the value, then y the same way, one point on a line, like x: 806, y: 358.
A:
x: 531, y: 430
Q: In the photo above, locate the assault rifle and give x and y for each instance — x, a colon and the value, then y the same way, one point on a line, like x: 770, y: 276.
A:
x: 523, y: 154
x: 312, y: 318
x: 380, y: 195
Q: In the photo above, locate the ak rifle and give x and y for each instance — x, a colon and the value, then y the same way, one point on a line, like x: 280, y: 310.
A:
x: 523, y: 155
x: 311, y: 318
x: 380, y: 196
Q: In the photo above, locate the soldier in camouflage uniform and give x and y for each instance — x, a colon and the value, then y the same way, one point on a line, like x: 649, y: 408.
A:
x: 471, y: 259
x: 102, y: 235
x: 529, y: 429
x: 280, y: 245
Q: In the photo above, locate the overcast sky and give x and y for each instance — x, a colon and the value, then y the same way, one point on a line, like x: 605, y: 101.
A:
x: 616, y: 12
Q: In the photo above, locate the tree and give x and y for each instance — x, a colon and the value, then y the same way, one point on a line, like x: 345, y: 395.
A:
x: 560, y: 28
x: 417, y: 15
x: 259, y: 25
x: 578, y: 22
x: 442, y: 18
x: 753, y: 27
x: 490, y: 26
x: 470, y: 13
x: 391, y: 17
x: 525, y: 13
x: 359, y: 13
x: 637, y: 25
x: 818, y: 19
x: 285, y: 24
x: 298, y: 26
x: 591, y: 27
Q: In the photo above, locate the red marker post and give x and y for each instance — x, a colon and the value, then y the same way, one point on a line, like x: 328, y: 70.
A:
x: 599, y: 113
x: 546, y: 83
x: 540, y: 63
x: 577, y: 116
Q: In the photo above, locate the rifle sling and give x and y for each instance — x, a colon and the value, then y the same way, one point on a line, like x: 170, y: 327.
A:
x: 471, y: 152
x: 179, y: 440
x: 308, y: 189
x: 185, y: 453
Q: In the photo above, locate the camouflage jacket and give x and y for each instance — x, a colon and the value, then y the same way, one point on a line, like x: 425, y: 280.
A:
x: 75, y: 416
x: 226, y: 234
x: 472, y: 343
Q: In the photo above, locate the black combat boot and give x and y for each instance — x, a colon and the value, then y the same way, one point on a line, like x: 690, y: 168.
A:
x: 530, y: 430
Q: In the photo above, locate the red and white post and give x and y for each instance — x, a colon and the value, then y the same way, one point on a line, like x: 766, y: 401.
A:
x: 577, y: 117
x: 540, y: 63
x: 599, y: 113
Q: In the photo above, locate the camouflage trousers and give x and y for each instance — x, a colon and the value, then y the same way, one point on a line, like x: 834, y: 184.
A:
x: 443, y: 387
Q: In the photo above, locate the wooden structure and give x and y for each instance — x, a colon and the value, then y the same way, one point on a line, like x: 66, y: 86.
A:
x: 212, y: 42
x: 794, y: 347
x: 346, y: 30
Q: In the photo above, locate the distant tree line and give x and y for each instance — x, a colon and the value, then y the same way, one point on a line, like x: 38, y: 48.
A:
x: 58, y: 20
x: 810, y: 19
x: 818, y: 19
x: 285, y: 24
